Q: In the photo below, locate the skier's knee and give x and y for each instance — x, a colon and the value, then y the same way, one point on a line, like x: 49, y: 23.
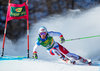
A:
x: 76, y: 57
x: 52, y: 51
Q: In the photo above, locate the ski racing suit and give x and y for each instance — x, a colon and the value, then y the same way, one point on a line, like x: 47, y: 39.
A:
x: 54, y: 47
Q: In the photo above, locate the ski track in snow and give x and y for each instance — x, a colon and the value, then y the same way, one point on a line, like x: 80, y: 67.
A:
x: 39, y: 65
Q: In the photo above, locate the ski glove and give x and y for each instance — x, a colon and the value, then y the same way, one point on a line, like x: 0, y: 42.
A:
x: 35, y: 56
x: 62, y: 40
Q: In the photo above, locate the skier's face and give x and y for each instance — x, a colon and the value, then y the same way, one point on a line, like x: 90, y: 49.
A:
x: 43, y: 35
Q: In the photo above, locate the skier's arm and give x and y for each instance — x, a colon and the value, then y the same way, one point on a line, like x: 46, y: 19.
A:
x: 35, y: 47
x: 52, y: 33
x: 34, y: 50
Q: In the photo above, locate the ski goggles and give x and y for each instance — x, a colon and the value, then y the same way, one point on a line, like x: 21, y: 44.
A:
x: 43, y: 33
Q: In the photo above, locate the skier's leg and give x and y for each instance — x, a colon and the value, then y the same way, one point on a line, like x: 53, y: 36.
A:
x: 56, y: 50
x: 62, y: 49
x: 74, y: 56
x: 77, y: 57
x: 67, y: 53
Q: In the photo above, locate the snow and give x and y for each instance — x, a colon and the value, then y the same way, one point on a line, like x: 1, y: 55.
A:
x: 71, y: 26
x: 39, y: 65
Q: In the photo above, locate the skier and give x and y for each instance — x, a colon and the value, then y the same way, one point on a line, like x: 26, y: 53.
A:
x: 45, y: 39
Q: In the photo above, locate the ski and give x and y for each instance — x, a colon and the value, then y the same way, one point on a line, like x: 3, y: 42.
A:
x: 85, y: 61
x: 67, y: 60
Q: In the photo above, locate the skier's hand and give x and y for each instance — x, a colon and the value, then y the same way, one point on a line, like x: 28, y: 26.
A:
x: 62, y: 40
x: 35, y: 56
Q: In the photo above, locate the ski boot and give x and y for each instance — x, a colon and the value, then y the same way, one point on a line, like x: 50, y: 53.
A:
x: 90, y: 63
x: 85, y: 61
x: 67, y: 60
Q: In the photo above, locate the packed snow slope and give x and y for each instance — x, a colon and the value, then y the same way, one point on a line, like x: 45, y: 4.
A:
x: 73, y: 25
x: 39, y: 65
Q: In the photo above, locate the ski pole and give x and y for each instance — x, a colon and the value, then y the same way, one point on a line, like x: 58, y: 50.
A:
x: 83, y: 38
